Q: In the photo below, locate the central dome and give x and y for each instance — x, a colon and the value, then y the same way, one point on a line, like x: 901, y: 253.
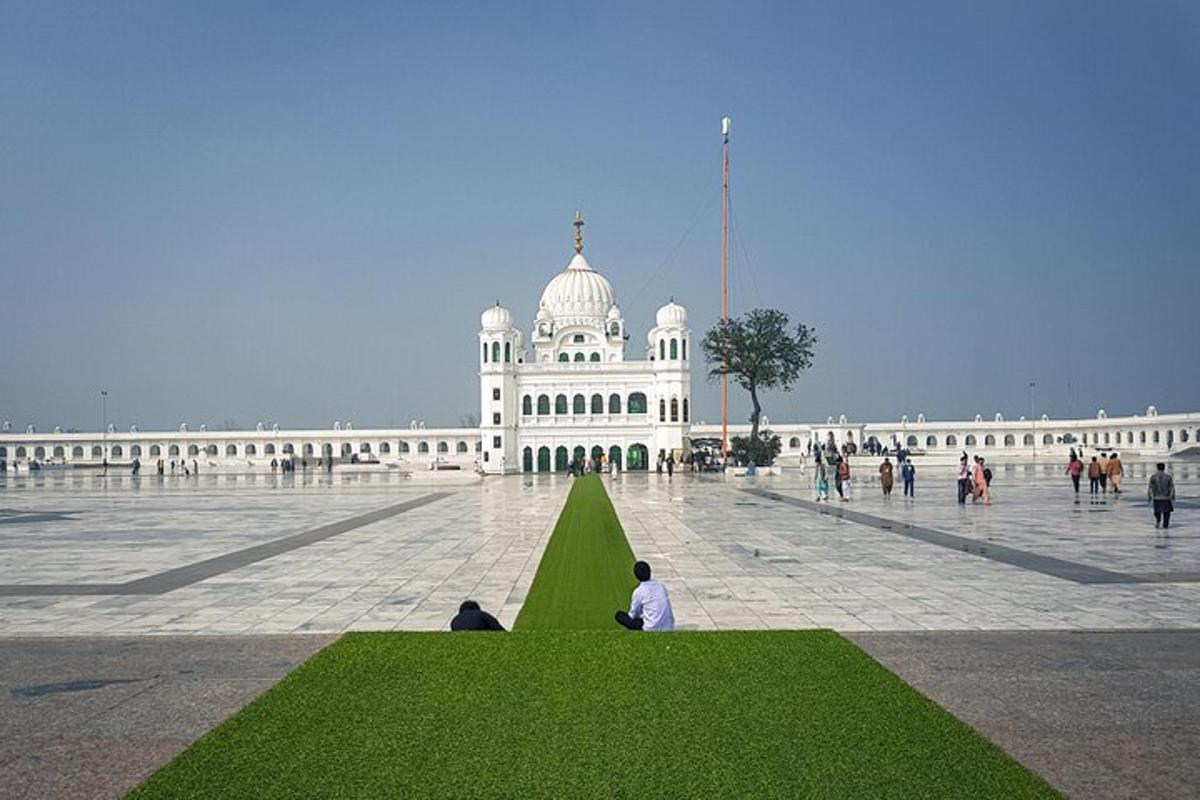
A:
x: 578, y: 293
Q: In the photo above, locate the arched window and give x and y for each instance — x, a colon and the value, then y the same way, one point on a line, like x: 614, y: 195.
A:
x: 1028, y: 440
x: 405, y: 447
x: 1141, y: 437
x: 364, y: 447
x: 951, y: 440
x: 543, y: 459
x: 563, y: 357
x: 423, y: 447
x: 579, y: 356
x: 21, y: 452
x: 989, y: 441
x: 527, y: 405
x: 97, y: 451
x: 674, y: 349
x: 385, y: 448
x: 1048, y: 438
x: 527, y: 460
x: 597, y: 404
x: 912, y: 441
x: 462, y: 447
x: 173, y: 450
x: 443, y: 448
x: 931, y: 441
x: 76, y: 452
x: 578, y: 404
x: 211, y: 450
x: 662, y: 349
x: 231, y: 449
x: 308, y: 448
x: 543, y: 405
x: 289, y: 448
x: 560, y: 404
x: 662, y: 409
x: 614, y: 404
x: 269, y: 450
x: 39, y: 452
x: 193, y: 450
x: 485, y: 352
x: 685, y: 409
x: 594, y: 357
x: 637, y: 403
x: 794, y: 442
x: 495, y: 352
x: 135, y: 451
x: 1183, y: 435
x: 683, y: 345
x: 1009, y: 440
x: 674, y: 409
x: 1129, y: 437
x: 1106, y: 437
x: 1156, y: 437
x: 507, y: 352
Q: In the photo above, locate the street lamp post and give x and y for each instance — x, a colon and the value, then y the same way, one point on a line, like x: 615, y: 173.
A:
x: 104, y: 424
x: 1032, y: 418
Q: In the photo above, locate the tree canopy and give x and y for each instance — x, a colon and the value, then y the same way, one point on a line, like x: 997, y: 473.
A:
x: 759, y: 350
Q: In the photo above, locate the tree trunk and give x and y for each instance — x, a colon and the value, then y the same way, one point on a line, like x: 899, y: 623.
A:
x: 755, y: 413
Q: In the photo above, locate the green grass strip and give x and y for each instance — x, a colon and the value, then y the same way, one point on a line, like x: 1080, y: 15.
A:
x: 756, y: 714
x: 586, y: 573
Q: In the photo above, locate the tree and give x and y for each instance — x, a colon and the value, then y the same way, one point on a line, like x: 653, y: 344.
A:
x: 759, y: 351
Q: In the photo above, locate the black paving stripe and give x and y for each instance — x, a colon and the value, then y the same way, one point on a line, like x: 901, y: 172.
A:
x: 1046, y: 565
x: 163, y: 582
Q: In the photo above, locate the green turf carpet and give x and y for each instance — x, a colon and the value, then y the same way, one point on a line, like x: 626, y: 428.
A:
x: 578, y: 714
x: 586, y: 573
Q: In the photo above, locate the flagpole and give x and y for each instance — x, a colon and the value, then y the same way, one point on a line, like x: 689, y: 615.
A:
x: 725, y: 282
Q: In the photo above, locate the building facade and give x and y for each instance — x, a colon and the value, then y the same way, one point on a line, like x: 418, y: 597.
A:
x: 573, y: 393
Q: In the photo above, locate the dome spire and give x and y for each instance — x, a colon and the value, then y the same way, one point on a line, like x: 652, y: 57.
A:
x: 578, y: 232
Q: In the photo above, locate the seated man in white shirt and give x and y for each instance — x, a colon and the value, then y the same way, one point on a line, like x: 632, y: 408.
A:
x: 650, y: 608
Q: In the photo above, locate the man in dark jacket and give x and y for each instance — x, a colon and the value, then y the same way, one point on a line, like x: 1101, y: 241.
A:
x: 1161, y: 492
x: 471, y: 617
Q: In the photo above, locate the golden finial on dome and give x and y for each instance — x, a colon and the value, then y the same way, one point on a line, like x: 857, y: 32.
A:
x: 578, y: 232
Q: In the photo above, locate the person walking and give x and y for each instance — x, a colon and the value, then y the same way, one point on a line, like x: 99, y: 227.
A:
x: 1094, y: 475
x: 964, y: 480
x: 160, y: 467
x: 908, y: 473
x: 1115, y: 470
x: 1075, y: 469
x: 886, y: 478
x: 1103, y: 462
x: 822, y: 479
x: 670, y: 465
x: 981, y: 483
x: 1161, y: 493
x: 843, y: 477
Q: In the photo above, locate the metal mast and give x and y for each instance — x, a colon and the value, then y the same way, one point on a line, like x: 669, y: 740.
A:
x: 725, y: 282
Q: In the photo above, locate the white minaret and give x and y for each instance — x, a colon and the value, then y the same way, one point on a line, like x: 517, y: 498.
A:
x: 500, y: 352
x: 670, y: 406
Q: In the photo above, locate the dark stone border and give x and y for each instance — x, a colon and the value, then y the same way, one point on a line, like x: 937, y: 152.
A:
x: 163, y: 582
x: 1046, y: 565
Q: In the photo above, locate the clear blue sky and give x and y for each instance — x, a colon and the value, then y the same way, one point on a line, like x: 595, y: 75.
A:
x: 296, y: 212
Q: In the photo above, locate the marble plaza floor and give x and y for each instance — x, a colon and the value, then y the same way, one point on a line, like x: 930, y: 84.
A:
x: 239, y: 554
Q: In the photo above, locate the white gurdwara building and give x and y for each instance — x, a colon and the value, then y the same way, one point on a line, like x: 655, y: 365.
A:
x: 573, y: 393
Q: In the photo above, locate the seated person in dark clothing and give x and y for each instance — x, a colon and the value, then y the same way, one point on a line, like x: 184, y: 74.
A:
x: 471, y: 617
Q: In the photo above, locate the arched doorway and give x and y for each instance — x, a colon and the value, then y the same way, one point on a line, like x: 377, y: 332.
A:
x: 614, y: 455
x: 527, y: 459
x: 560, y: 458
x: 578, y: 453
x: 639, y: 457
x: 597, y: 454
x: 543, y: 459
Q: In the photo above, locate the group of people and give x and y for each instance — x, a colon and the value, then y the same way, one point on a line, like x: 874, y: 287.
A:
x: 908, y: 474
x: 1103, y: 470
x: 840, y: 466
x: 974, y: 480
x: 649, y: 609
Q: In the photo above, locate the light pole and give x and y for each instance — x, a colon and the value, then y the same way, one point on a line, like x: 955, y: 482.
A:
x: 104, y: 424
x: 1032, y: 419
